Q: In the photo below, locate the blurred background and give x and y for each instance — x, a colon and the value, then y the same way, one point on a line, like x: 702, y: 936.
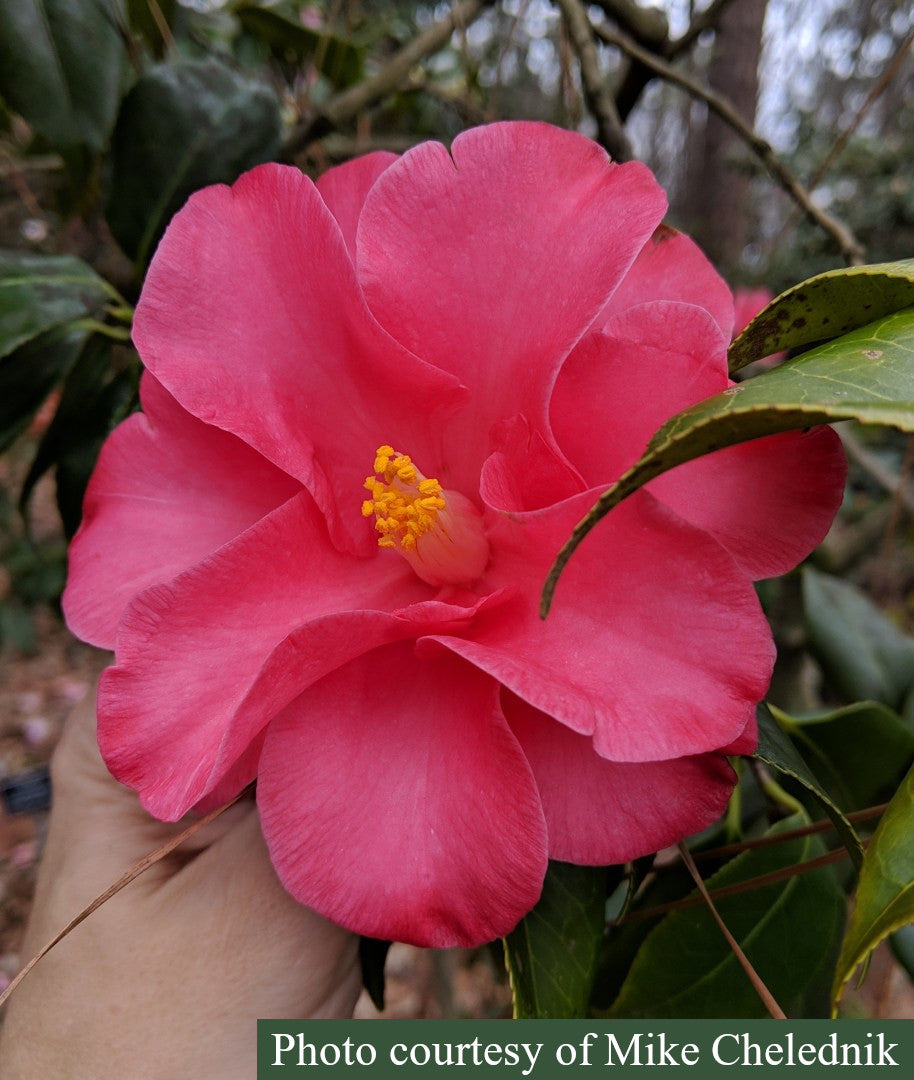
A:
x: 783, y: 131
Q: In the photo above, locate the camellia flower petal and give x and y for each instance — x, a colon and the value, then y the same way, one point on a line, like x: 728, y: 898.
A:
x: 374, y: 409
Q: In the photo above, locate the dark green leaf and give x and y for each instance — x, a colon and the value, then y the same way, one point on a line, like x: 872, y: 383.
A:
x: 29, y: 374
x: 61, y: 65
x: 825, y: 307
x: 143, y: 22
x: 776, y: 750
x: 860, y: 752
x: 552, y: 953
x: 39, y: 292
x: 181, y: 127
x: 867, y: 375
x: 94, y: 398
x: 863, y: 653
x: 372, y: 957
x: 333, y: 56
x: 685, y: 968
x: 885, y: 893
x: 621, y: 944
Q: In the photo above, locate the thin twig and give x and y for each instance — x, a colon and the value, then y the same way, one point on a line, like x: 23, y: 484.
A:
x: 134, y: 872
x: 749, y: 885
x: 701, y: 21
x: 725, y: 851
x: 760, y: 988
x: 610, y: 134
x: 876, y: 470
x: 397, y: 71
x: 891, y: 70
x: 850, y: 247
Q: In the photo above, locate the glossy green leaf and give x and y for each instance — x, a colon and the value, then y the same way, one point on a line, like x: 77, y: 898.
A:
x: 183, y: 126
x: 39, y: 292
x: 776, y: 749
x: 867, y: 375
x: 825, y: 307
x: 148, y: 26
x: 61, y: 64
x: 685, y: 968
x: 29, y: 374
x: 885, y: 893
x: 863, y: 653
x: 859, y: 752
x: 552, y: 953
x: 333, y: 56
x: 372, y: 958
x: 621, y: 943
x: 94, y: 398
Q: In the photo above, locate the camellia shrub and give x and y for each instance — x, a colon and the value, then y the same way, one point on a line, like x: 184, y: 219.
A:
x: 437, y: 516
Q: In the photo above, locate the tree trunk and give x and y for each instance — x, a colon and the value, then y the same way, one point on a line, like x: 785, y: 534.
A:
x: 717, y: 202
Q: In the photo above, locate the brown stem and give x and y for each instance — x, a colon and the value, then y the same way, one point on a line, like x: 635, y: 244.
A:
x: 394, y: 74
x: 850, y: 247
x: 760, y: 988
x: 599, y: 100
x: 134, y: 872
x: 750, y: 885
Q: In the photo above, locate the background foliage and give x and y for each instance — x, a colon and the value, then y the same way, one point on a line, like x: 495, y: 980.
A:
x: 783, y: 131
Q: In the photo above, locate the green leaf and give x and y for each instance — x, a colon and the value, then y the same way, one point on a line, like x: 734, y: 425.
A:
x: 825, y: 307
x: 685, y: 968
x: 552, y: 953
x: 862, y: 652
x: 372, y: 958
x: 39, y: 292
x: 29, y: 374
x: 621, y: 944
x: 143, y: 22
x: 867, y: 375
x: 61, y: 65
x: 333, y: 56
x: 885, y: 893
x: 860, y: 752
x: 183, y: 126
x: 776, y: 750
x: 94, y: 398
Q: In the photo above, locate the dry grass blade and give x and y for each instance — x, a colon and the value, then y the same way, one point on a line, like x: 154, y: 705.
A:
x: 130, y: 875
x: 761, y: 989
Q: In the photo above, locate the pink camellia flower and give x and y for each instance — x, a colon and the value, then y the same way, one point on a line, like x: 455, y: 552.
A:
x: 374, y: 409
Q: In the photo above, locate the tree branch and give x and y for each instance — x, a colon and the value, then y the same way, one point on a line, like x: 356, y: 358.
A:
x: 702, y: 20
x: 610, y: 133
x: 348, y: 103
x: 848, y: 244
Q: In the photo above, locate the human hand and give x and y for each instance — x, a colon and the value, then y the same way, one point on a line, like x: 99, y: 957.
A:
x: 168, y: 977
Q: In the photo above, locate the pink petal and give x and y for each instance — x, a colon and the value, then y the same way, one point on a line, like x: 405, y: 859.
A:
x: 524, y: 472
x: 468, y: 261
x: 167, y: 491
x: 344, y: 188
x: 670, y: 266
x: 655, y: 644
x: 189, y: 651
x: 769, y: 502
x: 251, y: 309
x: 601, y: 812
x: 396, y: 802
x: 653, y: 361
x: 648, y: 364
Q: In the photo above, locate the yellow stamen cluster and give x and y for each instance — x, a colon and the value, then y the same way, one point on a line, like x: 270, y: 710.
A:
x: 404, y: 503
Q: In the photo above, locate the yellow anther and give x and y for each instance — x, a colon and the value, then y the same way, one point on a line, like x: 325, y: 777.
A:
x: 405, y: 504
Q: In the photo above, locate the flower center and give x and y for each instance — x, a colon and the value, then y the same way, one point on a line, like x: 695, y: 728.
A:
x: 439, y: 533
